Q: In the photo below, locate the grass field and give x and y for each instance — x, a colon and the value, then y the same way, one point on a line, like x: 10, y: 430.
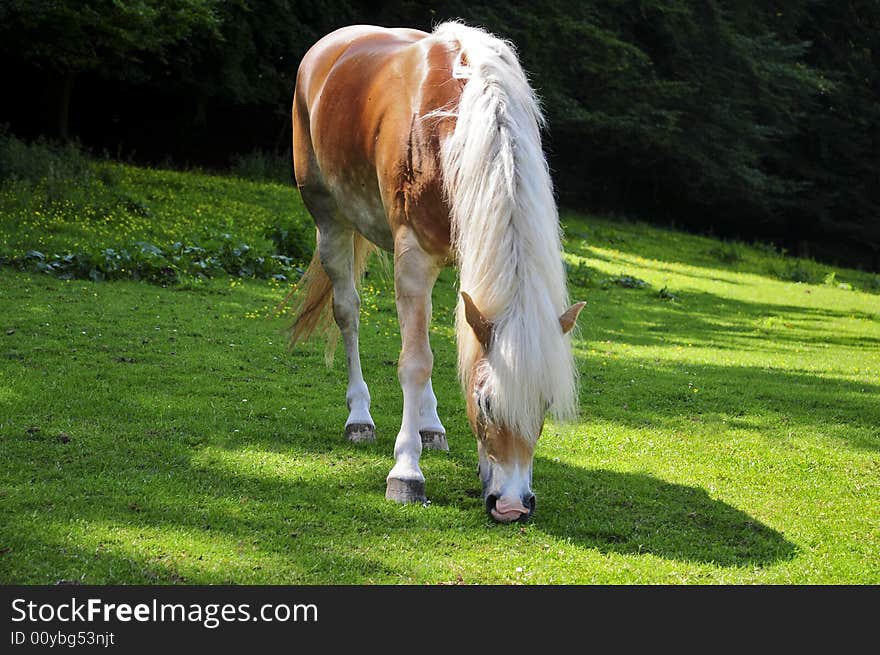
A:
x: 729, y: 428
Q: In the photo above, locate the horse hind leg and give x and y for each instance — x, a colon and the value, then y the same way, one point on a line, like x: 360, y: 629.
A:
x: 337, y: 255
x: 336, y: 248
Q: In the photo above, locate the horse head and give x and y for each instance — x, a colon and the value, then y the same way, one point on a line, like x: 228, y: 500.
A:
x: 505, y: 456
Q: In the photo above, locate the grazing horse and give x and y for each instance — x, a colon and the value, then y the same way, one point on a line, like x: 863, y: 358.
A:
x: 428, y: 146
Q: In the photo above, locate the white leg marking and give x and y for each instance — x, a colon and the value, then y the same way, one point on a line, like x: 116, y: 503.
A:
x: 428, y: 411
x: 431, y: 429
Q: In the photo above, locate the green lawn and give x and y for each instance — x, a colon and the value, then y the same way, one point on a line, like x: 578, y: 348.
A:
x: 729, y: 428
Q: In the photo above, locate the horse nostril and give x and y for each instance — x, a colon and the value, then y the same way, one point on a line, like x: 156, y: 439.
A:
x: 490, y: 502
x: 528, y: 501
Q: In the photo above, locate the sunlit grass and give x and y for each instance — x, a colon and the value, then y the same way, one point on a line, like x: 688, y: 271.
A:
x: 729, y: 430
x: 122, y: 204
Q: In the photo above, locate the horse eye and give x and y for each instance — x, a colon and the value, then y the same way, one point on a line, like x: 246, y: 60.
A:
x: 486, y: 405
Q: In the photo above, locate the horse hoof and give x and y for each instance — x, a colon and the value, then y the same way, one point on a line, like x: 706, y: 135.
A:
x: 405, y: 491
x: 360, y: 432
x: 434, y: 440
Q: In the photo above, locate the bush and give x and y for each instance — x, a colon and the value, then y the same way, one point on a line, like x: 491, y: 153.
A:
x: 41, y: 160
x: 293, y: 239
x: 797, y: 272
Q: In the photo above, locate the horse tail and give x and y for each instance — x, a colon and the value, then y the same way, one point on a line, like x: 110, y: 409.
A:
x: 311, y: 301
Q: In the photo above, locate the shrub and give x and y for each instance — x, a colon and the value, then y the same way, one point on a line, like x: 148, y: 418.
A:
x: 42, y: 161
x: 293, y: 239
x: 767, y: 248
x: 797, y: 272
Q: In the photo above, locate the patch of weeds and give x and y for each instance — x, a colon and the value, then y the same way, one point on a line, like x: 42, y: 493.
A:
x: 627, y: 282
x: 146, y: 261
x: 135, y: 206
x: 294, y: 239
x: 797, y: 272
x: 666, y: 294
x: 108, y: 175
x: 831, y: 281
x: 767, y: 248
x: 579, y: 275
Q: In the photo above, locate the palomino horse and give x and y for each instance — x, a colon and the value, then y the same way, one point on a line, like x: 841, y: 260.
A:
x: 429, y: 146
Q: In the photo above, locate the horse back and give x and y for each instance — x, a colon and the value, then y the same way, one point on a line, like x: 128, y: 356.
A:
x: 371, y: 109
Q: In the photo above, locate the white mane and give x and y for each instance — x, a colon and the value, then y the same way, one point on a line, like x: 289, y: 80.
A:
x: 506, y: 236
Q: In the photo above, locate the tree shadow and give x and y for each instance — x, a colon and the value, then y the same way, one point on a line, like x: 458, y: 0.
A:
x: 334, y: 520
x: 661, y: 390
x: 703, y: 254
x: 699, y: 269
x: 157, y: 530
x: 705, y: 318
x: 331, y: 526
x: 649, y: 394
x: 633, y: 513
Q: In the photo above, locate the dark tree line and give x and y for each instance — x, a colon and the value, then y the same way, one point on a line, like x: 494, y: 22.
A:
x: 758, y: 120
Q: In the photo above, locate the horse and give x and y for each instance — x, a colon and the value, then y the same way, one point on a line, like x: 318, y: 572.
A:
x: 428, y: 146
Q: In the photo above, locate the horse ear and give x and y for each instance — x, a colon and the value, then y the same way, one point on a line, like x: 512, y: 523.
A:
x: 479, y: 324
x: 570, y: 317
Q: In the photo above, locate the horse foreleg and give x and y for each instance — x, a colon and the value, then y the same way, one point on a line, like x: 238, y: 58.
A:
x: 414, y: 274
x: 431, y: 429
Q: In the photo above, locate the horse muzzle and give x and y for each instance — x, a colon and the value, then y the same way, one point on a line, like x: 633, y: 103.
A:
x: 510, y: 509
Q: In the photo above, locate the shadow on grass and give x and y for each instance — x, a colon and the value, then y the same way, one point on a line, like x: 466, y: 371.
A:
x: 332, y: 525
x: 330, y: 519
x: 642, y: 393
x: 724, y: 323
x: 632, y: 513
x: 672, y: 247
x: 699, y: 268
x: 177, y: 521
